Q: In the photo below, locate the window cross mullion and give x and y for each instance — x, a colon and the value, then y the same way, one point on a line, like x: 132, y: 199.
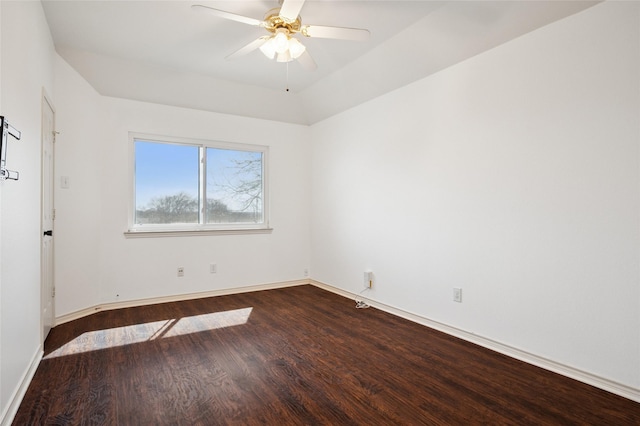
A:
x: 203, y: 186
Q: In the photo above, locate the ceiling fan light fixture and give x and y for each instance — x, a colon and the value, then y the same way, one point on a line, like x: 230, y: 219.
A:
x: 268, y: 49
x: 296, y: 48
x: 284, y: 56
x: 282, y: 46
x: 281, y: 40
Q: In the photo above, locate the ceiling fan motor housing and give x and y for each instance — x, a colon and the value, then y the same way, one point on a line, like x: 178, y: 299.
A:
x: 273, y: 21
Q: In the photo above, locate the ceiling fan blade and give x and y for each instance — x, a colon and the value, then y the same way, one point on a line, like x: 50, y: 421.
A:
x: 291, y: 9
x: 226, y: 15
x: 307, y: 61
x: 249, y: 47
x: 342, y: 33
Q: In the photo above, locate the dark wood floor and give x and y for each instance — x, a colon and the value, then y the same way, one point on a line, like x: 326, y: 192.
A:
x: 298, y: 355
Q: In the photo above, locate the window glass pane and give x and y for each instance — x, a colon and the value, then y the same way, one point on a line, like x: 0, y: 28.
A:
x: 234, y: 186
x: 166, y: 183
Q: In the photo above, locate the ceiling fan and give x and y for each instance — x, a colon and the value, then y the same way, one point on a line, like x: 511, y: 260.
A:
x: 283, y: 24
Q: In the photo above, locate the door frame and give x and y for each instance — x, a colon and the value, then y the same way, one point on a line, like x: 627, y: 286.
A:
x: 46, y: 102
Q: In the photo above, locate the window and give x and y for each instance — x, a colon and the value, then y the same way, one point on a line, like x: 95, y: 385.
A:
x: 184, y: 185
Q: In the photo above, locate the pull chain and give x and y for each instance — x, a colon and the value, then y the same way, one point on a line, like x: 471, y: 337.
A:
x: 287, y: 76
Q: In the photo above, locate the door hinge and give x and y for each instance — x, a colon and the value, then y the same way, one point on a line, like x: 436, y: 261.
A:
x: 53, y: 214
x: 53, y: 292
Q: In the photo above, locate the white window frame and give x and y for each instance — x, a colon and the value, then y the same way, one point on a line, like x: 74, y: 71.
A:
x: 167, y: 230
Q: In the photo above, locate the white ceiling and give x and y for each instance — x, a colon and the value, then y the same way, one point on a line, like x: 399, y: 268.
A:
x: 163, y: 52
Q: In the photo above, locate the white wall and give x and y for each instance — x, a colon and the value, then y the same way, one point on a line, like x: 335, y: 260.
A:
x: 27, y: 61
x: 513, y: 175
x: 96, y: 264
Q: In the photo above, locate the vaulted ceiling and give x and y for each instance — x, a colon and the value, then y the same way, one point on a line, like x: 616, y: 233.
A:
x: 163, y: 52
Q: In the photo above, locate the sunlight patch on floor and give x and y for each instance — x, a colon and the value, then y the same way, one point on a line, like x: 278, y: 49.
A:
x: 138, y: 333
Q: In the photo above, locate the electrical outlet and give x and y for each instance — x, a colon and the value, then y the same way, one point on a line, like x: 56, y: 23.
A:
x: 181, y: 271
x: 368, y: 279
x: 457, y: 295
x: 306, y: 272
x: 213, y: 268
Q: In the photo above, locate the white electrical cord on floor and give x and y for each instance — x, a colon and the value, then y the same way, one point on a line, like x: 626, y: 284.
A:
x: 361, y: 304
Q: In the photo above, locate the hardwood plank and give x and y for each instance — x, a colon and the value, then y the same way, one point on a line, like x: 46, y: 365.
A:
x: 298, y: 355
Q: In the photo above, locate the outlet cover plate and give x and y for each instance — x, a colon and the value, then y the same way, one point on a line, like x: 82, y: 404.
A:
x: 457, y: 295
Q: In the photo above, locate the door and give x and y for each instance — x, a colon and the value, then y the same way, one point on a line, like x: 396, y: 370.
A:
x: 46, y: 267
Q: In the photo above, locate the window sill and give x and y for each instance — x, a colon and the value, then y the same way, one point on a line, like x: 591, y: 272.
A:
x: 193, y: 233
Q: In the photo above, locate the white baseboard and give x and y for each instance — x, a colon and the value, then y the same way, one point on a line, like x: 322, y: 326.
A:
x: 175, y: 298
x: 18, y: 394
x: 562, y: 369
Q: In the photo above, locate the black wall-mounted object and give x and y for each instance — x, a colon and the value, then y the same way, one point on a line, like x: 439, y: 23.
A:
x: 7, y: 130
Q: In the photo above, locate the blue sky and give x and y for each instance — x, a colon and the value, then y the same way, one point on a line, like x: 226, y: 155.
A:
x: 165, y: 169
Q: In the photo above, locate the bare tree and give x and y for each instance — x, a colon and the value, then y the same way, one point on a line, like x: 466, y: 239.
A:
x: 178, y: 208
x: 217, y: 211
x: 242, y: 187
